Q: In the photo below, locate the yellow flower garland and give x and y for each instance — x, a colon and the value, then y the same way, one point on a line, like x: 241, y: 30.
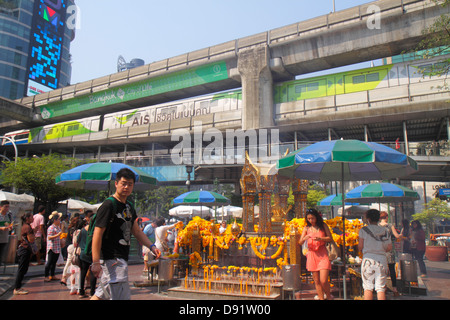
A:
x: 255, y: 250
x: 263, y: 243
x: 278, y: 252
x: 195, y: 259
x: 209, y: 235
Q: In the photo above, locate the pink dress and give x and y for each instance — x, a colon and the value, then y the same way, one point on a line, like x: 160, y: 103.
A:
x: 317, y: 255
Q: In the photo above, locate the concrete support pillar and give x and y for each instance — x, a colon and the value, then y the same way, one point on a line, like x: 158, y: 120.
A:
x: 448, y: 128
x: 405, y: 137
x: 257, y: 88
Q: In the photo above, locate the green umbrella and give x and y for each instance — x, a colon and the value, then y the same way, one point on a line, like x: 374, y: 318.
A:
x: 101, y: 176
x: 201, y: 198
x: 382, y: 193
x: 333, y: 200
x: 346, y: 160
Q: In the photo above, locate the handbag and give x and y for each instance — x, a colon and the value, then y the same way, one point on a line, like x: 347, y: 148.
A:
x: 332, y: 249
x: 33, y: 247
x: 76, y: 261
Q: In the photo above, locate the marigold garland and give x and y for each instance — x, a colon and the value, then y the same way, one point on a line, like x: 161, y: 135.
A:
x: 278, y: 252
x: 210, y: 236
x: 195, y: 259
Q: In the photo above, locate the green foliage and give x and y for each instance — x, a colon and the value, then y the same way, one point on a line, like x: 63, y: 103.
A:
x: 436, y: 42
x: 37, y: 175
x: 315, y: 194
x: 434, y: 211
x: 157, y: 201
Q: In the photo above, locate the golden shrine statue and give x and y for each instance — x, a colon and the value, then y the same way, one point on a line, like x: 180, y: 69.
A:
x: 262, y: 181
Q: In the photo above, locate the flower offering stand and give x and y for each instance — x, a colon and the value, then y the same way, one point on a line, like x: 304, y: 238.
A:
x: 249, y: 260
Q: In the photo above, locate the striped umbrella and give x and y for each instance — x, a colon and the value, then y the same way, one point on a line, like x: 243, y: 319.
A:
x: 346, y: 160
x: 382, y: 193
x: 101, y: 176
x: 201, y: 198
x: 333, y: 200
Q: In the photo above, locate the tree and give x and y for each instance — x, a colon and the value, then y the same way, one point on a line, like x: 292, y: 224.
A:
x: 157, y: 201
x: 37, y: 175
x: 315, y: 194
x: 434, y: 211
x: 436, y: 42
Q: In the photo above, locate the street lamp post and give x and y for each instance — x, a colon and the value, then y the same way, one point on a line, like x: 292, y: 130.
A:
x: 14, y: 145
x: 188, y: 182
x: 16, y: 154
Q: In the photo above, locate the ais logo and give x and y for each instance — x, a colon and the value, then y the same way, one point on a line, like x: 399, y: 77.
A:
x: 50, y: 15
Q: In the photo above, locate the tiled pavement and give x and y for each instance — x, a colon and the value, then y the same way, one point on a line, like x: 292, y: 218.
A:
x: 437, y: 285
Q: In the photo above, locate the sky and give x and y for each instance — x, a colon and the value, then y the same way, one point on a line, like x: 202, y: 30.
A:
x: 156, y: 30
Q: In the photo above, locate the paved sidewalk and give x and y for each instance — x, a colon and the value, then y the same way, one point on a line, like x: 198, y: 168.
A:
x: 437, y: 284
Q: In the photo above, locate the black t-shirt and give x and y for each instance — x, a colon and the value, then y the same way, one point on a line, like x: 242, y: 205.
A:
x: 117, y: 236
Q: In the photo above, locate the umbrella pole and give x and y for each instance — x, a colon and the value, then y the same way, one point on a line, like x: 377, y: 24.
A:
x: 344, y: 284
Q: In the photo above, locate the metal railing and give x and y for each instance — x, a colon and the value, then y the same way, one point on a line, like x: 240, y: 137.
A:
x: 237, y: 156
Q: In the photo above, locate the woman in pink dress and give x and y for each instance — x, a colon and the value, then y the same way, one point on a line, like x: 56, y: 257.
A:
x: 317, y: 234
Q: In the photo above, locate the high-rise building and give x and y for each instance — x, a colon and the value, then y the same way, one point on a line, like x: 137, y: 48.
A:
x: 35, y: 41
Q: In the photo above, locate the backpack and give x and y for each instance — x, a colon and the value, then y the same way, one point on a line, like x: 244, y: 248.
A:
x: 90, y: 231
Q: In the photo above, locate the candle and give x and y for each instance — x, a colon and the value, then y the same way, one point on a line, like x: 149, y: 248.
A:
x: 246, y: 288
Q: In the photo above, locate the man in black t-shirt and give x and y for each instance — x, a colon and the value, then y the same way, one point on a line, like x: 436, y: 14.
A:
x: 115, y: 222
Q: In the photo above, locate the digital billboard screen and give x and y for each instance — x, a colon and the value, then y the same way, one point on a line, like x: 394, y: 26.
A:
x: 46, y: 45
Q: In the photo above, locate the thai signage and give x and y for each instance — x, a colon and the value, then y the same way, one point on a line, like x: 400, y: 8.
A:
x: 145, y: 88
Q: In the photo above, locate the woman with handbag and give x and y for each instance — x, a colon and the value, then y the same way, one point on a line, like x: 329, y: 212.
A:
x: 85, y: 260
x: 24, y: 251
x: 390, y: 255
x: 317, y: 235
x: 70, y: 230
x: 74, y: 251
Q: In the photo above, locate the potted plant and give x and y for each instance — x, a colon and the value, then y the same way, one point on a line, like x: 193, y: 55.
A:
x: 434, y: 211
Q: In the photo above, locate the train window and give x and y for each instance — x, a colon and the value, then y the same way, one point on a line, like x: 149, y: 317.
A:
x: 21, y: 136
x: 373, y: 77
x: 441, y: 68
x: 313, y: 86
x: 72, y: 127
x: 300, y: 88
x: 426, y: 68
x: 204, y: 104
x: 358, y: 79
